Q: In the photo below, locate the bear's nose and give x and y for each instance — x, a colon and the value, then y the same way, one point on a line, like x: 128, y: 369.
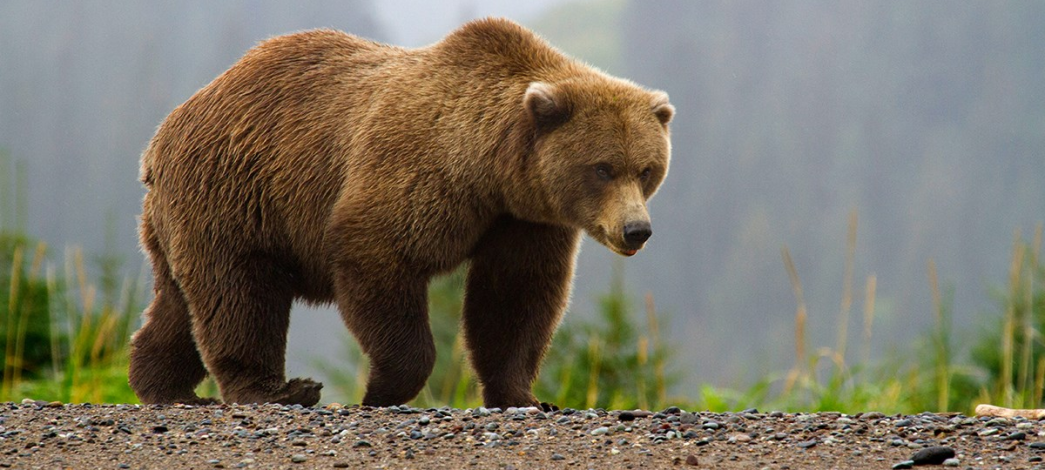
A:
x: 636, y: 233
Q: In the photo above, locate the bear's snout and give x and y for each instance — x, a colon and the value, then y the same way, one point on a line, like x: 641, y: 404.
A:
x: 636, y: 233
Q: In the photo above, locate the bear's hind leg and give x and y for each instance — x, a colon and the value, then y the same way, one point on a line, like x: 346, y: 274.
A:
x: 240, y: 321
x: 388, y: 315
x: 165, y: 365
x: 517, y: 289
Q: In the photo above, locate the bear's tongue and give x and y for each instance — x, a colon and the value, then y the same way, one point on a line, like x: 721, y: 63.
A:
x: 630, y: 252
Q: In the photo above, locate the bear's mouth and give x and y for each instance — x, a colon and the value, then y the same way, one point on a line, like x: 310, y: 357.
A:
x: 617, y: 246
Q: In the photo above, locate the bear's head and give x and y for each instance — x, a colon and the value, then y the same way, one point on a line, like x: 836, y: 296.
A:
x: 601, y: 149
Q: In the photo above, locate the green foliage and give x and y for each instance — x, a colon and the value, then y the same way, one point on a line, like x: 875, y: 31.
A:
x: 609, y: 361
x: 1006, y: 367
x: 25, y: 323
x: 64, y: 337
x: 1010, y: 351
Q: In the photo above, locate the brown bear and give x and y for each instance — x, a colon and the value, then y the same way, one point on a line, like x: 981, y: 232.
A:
x: 329, y: 168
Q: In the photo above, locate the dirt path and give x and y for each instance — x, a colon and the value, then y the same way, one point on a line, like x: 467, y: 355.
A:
x: 53, y: 435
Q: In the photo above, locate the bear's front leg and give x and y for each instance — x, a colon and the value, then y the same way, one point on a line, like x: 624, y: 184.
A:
x: 517, y: 290
x: 387, y: 311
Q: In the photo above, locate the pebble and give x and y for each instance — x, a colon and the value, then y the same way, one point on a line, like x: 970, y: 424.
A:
x: 689, y: 418
x: 691, y: 460
x: 904, y: 464
x: 298, y: 458
x: 600, y: 431
x: 807, y: 444
x: 932, y: 455
x: 558, y: 457
x: 951, y: 463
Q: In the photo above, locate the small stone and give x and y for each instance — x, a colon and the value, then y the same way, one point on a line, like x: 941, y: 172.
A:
x: 932, y: 455
x: 298, y: 458
x: 691, y: 460
x: 902, y: 423
x: 600, y: 431
x: 1037, y: 445
x: 807, y: 444
x: 558, y: 457
x: 340, y: 464
x: 1017, y: 436
x: 904, y: 464
x: 711, y: 425
x: 159, y: 429
x: 1036, y: 458
x: 362, y: 443
x: 753, y: 411
x: 626, y: 416
x: 689, y: 418
x: 672, y: 410
x: 951, y: 463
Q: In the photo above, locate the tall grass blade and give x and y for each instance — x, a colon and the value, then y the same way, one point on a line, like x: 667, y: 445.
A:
x: 798, y: 371
x: 12, y: 309
x: 847, y: 285
x: 653, y: 326
x: 869, y: 297
x: 941, y: 339
x: 1009, y: 329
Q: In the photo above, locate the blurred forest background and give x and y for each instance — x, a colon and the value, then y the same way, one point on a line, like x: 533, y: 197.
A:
x: 925, y: 119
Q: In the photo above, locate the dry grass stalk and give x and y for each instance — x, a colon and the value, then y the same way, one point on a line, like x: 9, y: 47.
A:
x: 942, y: 365
x: 798, y: 371
x: 1009, y: 327
x: 654, y: 332
x: 869, y: 296
x: 847, y: 285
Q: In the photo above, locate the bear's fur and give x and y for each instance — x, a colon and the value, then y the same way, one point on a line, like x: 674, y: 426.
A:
x: 329, y: 168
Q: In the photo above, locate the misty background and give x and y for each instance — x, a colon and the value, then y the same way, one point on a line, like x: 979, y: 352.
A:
x: 925, y: 118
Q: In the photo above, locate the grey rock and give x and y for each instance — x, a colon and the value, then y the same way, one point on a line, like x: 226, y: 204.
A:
x: 932, y: 455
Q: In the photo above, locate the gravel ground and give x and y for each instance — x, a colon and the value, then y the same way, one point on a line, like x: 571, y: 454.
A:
x: 56, y: 435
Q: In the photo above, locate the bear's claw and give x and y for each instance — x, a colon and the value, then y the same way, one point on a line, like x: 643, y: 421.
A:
x: 304, y: 392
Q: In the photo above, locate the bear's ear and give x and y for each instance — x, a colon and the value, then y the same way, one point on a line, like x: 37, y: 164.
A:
x: 662, y: 108
x: 546, y: 105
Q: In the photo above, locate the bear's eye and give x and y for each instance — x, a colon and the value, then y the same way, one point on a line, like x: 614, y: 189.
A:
x: 604, y: 172
x: 644, y: 176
